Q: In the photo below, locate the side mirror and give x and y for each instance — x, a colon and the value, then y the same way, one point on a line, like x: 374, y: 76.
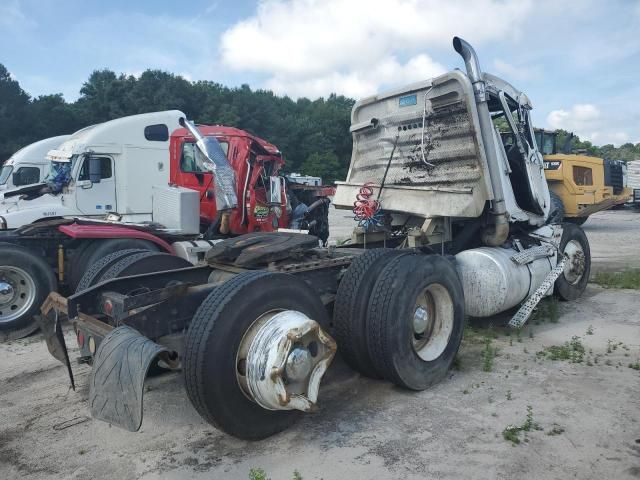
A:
x: 17, y: 179
x: 95, y: 169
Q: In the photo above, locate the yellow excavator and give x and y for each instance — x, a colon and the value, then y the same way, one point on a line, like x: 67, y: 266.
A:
x: 580, y: 185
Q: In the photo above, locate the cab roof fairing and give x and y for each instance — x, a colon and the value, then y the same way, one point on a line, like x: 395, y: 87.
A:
x: 120, y: 131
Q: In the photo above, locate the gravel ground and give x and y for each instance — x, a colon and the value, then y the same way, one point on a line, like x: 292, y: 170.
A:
x: 587, y: 412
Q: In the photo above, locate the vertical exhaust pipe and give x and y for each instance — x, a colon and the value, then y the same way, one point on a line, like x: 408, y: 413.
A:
x: 497, y: 233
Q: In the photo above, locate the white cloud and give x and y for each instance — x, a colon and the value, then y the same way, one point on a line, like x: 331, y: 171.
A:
x: 360, y: 82
x: 588, y: 122
x: 515, y: 72
x: 580, y: 117
x: 313, y: 47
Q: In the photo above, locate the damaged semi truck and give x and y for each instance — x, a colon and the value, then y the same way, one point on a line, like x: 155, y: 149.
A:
x: 464, y: 222
x: 155, y: 177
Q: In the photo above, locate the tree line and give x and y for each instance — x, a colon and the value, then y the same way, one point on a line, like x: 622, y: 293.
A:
x: 312, y: 134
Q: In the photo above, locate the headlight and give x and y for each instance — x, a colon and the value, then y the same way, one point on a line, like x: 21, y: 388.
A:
x: 3, y: 223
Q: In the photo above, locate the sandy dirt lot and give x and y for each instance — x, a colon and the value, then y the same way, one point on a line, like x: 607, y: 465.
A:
x: 585, y: 416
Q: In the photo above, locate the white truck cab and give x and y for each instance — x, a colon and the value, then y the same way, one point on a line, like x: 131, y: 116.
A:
x: 112, y: 168
x: 29, y: 164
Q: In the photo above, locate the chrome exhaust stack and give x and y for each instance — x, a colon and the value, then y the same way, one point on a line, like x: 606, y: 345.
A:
x: 497, y: 233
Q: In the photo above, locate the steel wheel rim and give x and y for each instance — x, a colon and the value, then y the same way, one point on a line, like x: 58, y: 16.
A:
x: 575, y: 266
x: 432, y: 322
x: 281, y: 360
x: 17, y: 293
x: 243, y: 349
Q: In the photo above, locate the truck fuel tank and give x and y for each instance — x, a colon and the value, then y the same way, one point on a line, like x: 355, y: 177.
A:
x: 494, y: 282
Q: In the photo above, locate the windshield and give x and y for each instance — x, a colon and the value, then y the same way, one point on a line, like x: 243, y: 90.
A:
x: 4, y: 174
x: 546, y: 142
x: 55, y: 167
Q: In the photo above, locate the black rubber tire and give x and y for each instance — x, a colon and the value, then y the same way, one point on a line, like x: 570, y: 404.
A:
x: 391, y: 310
x: 97, y: 269
x: 143, y: 262
x: 77, y: 263
x: 213, y: 340
x: 577, y: 220
x: 350, y: 308
x: 562, y: 288
x: 556, y: 211
x: 44, y: 280
x: 99, y: 249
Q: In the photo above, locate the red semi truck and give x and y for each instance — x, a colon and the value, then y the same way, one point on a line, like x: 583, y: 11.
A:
x: 53, y: 251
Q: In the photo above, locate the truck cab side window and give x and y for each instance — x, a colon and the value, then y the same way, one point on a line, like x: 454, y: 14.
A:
x: 105, y: 169
x: 192, y: 160
x: 156, y: 133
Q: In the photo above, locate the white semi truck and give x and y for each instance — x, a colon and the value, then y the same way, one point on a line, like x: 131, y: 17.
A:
x: 29, y: 164
x: 113, y: 167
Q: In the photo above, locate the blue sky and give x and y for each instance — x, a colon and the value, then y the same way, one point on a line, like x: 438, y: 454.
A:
x: 578, y: 60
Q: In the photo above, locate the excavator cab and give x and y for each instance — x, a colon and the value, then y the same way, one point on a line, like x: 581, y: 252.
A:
x: 547, y: 141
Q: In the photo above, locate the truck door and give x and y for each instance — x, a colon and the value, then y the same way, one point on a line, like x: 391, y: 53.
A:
x: 193, y: 175
x: 96, y: 197
x: 527, y: 168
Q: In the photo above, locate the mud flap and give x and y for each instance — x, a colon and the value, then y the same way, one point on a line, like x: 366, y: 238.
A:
x: 117, y: 379
x: 51, y: 328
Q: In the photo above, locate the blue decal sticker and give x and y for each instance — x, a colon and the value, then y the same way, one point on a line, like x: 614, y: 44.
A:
x: 408, y: 100
x: 98, y: 207
x: 108, y: 207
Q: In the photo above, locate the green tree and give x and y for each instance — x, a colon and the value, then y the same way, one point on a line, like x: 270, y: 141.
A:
x: 13, y: 109
x: 325, y: 165
x: 104, y: 96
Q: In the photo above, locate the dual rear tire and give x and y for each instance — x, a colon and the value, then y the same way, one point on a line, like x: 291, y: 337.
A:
x: 129, y: 262
x: 400, y: 316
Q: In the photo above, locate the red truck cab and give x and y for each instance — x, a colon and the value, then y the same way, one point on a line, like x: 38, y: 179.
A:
x: 253, y: 160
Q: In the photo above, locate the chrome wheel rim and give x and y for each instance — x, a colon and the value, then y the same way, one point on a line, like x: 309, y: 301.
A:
x: 17, y: 293
x: 432, y: 322
x: 575, y: 265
